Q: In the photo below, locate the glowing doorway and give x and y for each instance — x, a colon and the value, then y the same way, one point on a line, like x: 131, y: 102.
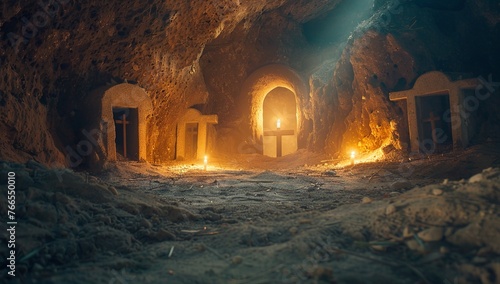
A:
x: 280, y: 104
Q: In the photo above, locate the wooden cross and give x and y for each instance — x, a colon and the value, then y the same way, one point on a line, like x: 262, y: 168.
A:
x: 124, y: 122
x: 432, y: 119
x: 279, y: 134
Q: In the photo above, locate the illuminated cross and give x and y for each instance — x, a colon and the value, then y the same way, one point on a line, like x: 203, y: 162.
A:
x: 124, y: 122
x: 279, y: 134
x: 432, y: 119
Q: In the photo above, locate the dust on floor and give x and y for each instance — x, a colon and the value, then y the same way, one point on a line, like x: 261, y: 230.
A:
x: 428, y: 220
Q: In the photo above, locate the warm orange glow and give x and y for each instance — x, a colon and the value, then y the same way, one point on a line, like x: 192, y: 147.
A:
x: 278, y: 124
x: 353, y: 155
x: 205, y: 162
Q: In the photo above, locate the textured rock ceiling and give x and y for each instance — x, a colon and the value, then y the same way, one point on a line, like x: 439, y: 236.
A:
x: 187, y: 53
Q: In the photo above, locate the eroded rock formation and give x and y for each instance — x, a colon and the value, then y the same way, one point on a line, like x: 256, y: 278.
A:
x: 199, y: 53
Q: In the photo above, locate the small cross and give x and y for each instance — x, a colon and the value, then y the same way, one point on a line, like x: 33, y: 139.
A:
x: 124, y: 122
x: 432, y: 119
x: 279, y: 134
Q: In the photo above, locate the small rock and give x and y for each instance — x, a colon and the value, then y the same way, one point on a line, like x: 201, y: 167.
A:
x: 407, y: 232
x: 390, y: 209
x: 366, y: 200
x: 437, y: 191
x: 237, y: 260
x: 113, y: 190
x: 330, y: 173
x: 432, y: 234
x: 488, y: 170
x: 414, y: 245
x: 445, y: 181
x: 444, y: 250
x: 400, y: 185
x: 476, y: 178
x: 293, y: 230
x: 379, y: 248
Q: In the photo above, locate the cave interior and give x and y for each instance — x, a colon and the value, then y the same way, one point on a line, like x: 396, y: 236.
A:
x: 238, y: 141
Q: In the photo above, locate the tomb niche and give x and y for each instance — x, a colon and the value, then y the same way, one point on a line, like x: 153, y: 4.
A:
x: 116, y: 119
x: 440, y: 114
x: 271, y: 93
x: 280, y: 123
x: 195, y: 135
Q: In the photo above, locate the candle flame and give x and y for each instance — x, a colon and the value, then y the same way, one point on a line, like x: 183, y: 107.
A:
x: 353, y: 154
x: 278, y: 124
x: 205, y: 159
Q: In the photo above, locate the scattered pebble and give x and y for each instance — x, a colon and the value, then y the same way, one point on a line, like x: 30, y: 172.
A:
x: 437, y: 191
x: 293, y: 230
x: 445, y: 181
x: 390, y: 209
x: 476, y: 178
x: 444, y: 250
x: 432, y: 234
x: 366, y: 200
x: 488, y: 170
x: 113, y: 190
x: 400, y: 185
x: 237, y: 260
x: 414, y: 245
x: 379, y: 248
x: 407, y: 232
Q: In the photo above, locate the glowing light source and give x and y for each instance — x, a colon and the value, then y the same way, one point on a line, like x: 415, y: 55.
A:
x: 353, y: 156
x: 205, y: 162
x: 278, y: 123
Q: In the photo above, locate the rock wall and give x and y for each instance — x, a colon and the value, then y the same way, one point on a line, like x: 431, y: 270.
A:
x: 187, y: 53
x: 389, y: 55
x: 58, y: 51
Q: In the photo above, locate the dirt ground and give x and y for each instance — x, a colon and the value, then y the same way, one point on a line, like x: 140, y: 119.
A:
x: 249, y: 219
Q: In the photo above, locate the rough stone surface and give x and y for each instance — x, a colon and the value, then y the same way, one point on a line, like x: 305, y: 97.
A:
x: 432, y: 234
x: 401, y: 185
x: 189, y: 53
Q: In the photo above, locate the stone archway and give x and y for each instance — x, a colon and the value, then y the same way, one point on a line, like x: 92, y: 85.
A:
x: 260, y: 83
x: 432, y: 85
x: 102, y: 106
x: 192, y: 134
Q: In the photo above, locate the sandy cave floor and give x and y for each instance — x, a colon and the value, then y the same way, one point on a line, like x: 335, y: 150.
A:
x: 297, y: 219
